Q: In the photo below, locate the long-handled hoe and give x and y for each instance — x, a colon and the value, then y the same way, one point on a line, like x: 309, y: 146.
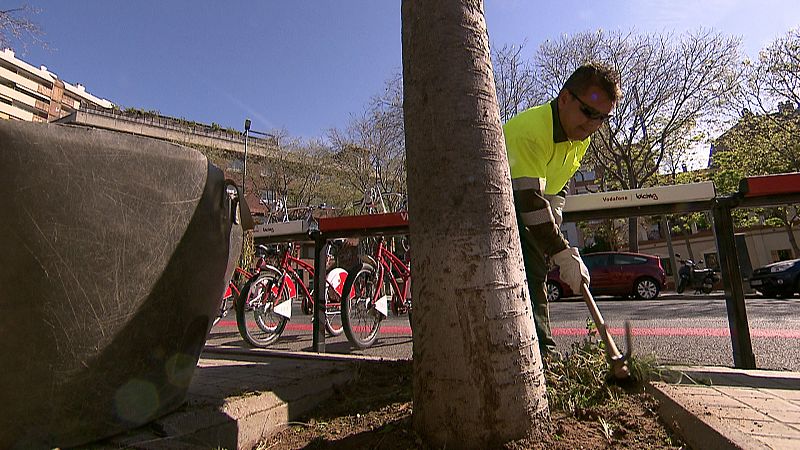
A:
x: 617, y: 361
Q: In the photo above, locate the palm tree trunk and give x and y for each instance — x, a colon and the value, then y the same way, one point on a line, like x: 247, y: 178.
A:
x: 478, y: 378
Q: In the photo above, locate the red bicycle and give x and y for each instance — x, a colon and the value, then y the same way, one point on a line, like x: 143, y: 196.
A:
x: 370, y: 288
x: 230, y: 295
x: 232, y: 292
x: 265, y: 304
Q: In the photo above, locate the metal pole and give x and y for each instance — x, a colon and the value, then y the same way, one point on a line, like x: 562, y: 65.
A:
x: 672, y: 263
x: 320, y: 292
x: 244, y: 164
x: 743, y: 357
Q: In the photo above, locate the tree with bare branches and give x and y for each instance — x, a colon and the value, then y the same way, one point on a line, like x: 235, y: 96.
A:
x: 371, y: 150
x: 515, y: 80
x: 764, y: 140
x: 16, y: 26
x: 675, y: 88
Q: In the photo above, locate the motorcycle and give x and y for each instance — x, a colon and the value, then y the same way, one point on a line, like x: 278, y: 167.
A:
x: 691, y: 275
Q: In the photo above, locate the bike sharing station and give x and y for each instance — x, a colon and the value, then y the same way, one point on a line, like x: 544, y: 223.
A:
x: 762, y: 191
x: 321, y: 232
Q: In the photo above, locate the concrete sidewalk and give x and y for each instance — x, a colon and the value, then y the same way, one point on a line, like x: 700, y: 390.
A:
x: 238, y: 397
x: 720, y: 407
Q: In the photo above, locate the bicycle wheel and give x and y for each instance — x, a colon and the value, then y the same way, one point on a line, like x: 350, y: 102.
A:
x: 333, y: 317
x: 334, y: 281
x: 360, y: 319
x: 258, y: 323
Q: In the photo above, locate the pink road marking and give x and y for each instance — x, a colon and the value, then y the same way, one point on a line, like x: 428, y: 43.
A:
x: 712, y: 332
x: 636, y: 331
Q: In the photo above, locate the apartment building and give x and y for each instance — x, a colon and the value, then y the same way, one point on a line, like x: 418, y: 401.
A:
x: 38, y: 95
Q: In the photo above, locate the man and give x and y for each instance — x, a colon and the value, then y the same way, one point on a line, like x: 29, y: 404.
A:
x: 545, y: 146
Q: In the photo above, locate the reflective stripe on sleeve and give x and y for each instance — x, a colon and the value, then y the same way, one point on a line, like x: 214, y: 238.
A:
x: 523, y: 183
x: 538, y: 217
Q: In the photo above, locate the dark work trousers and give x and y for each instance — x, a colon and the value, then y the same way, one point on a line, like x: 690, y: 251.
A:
x: 536, y: 272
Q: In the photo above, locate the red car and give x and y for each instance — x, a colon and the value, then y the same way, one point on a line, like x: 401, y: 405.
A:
x: 615, y: 273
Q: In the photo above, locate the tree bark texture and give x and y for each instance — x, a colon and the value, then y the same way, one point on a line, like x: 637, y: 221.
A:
x: 478, y: 378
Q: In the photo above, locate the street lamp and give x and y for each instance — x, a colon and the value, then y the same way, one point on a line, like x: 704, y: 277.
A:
x: 244, y: 164
x: 246, y: 133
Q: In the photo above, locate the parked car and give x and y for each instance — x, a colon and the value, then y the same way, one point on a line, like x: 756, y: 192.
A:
x: 777, y: 279
x: 615, y: 273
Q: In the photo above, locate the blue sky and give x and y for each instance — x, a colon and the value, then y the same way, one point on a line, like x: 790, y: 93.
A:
x: 308, y: 65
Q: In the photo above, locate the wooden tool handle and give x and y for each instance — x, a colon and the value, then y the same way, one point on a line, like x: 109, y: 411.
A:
x: 611, y: 346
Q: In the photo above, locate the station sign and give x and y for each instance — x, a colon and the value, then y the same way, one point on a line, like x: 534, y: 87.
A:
x: 293, y: 227
x: 681, y: 193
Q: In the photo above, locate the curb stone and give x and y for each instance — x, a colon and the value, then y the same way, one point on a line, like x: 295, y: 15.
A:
x: 696, y: 426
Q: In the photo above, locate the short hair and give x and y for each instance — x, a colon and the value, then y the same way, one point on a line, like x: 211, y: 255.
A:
x: 595, y: 74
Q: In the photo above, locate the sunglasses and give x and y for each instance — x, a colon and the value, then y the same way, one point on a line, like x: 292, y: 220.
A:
x: 587, y: 110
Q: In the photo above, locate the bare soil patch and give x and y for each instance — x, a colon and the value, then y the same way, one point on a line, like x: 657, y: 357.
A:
x: 374, y: 412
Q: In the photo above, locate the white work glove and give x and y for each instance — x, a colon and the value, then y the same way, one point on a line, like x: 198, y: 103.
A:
x: 557, y: 207
x: 572, y: 270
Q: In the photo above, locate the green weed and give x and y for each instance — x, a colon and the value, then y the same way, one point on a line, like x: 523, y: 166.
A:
x: 581, y: 379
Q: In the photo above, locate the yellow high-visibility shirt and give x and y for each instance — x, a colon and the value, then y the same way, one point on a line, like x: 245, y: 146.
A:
x: 542, y: 161
x: 538, y: 148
